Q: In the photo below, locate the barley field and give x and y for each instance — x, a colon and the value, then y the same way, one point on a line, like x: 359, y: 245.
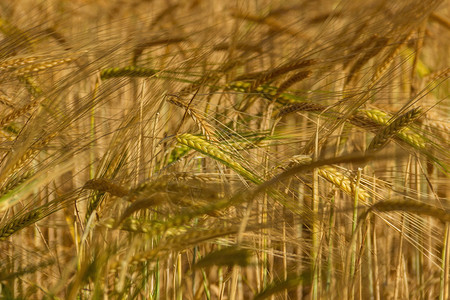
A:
x: 209, y: 149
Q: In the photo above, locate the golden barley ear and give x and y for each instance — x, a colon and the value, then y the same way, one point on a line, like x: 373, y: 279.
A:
x: 343, y: 182
x: 213, y: 151
x: 382, y: 137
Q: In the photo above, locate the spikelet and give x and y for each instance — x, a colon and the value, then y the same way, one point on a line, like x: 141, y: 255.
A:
x: 239, y: 85
x: 213, y: 151
x: 267, y: 75
x: 357, y: 49
x: 272, y: 23
x: 31, y: 86
x: 383, y: 136
x: 203, y: 177
x: 176, y: 154
x: 146, y: 256
x: 28, y: 269
x: 147, y: 202
x: 195, y: 236
x: 433, y: 79
x: 440, y: 128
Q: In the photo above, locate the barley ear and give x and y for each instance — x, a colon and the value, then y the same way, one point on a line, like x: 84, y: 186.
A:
x: 203, y: 146
x: 382, y: 137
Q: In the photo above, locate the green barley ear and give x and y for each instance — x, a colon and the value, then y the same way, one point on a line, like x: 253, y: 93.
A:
x: 129, y: 71
x: 385, y: 134
x: 205, y: 147
x: 29, y: 217
x: 20, y: 222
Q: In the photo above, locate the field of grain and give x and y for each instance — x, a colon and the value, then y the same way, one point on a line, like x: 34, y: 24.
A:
x: 208, y: 149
